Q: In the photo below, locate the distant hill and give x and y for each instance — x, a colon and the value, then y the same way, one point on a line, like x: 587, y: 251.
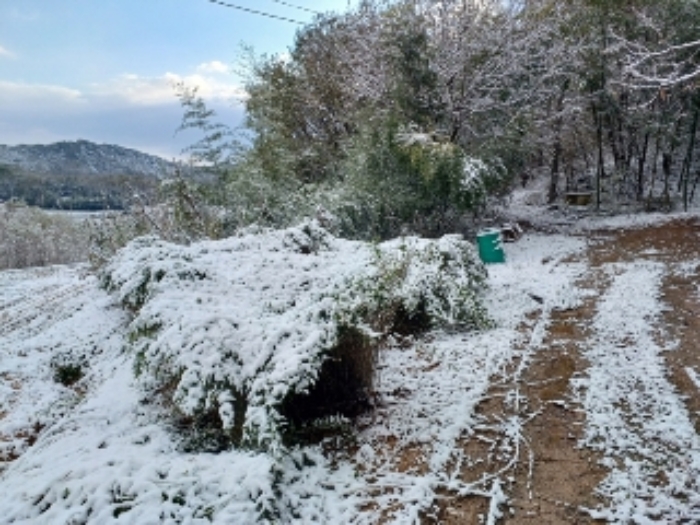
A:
x: 79, y: 175
x: 83, y: 158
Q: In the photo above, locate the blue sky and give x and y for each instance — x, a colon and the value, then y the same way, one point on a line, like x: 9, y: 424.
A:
x: 103, y: 70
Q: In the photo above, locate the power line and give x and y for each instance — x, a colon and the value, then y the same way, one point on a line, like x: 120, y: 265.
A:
x: 255, y: 12
x: 298, y: 7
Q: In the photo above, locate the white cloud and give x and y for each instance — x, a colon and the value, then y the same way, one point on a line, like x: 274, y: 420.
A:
x: 212, y: 88
x: 127, y: 89
x: 38, y: 97
x: 35, y: 134
x: 149, y: 91
x: 132, y: 110
x: 35, y: 90
x: 135, y: 90
x: 213, y: 67
x: 5, y: 53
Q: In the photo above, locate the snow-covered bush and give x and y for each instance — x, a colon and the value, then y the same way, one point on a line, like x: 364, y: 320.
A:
x: 436, y: 280
x: 242, y: 328
x: 109, y: 232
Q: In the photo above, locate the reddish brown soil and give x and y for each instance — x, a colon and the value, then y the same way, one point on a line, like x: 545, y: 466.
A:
x: 563, y: 476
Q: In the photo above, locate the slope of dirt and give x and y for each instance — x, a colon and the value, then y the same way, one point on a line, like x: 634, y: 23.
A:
x: 553, y: 477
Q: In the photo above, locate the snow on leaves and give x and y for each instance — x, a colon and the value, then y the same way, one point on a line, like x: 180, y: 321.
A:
x: 238, y: 325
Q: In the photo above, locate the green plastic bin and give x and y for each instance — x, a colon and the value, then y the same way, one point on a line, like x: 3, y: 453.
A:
x: 490, y: 248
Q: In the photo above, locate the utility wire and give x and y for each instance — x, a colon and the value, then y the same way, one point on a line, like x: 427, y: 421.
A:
x: 298, y: 7
x: 255, y: 12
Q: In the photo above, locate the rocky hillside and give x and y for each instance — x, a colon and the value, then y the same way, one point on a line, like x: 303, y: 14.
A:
x: 83, y: 158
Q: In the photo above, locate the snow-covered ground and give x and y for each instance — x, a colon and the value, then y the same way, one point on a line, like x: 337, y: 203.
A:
x: 98, y: 452
x: 635, y: 415
x: 530, y: 205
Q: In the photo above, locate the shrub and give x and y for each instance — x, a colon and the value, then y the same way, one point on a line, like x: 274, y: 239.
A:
x: 109, y: 232
x: 398, y: 180
x: 433, y: 283
x: 68, y: 375
x: 344, y: 381
x: 249, y: 195
x: 251, y: 332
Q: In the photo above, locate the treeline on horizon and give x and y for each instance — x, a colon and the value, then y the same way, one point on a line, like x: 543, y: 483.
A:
x: 74, y: 192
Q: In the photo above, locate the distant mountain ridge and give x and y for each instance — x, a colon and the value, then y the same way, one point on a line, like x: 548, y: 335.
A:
x: 84, y: 158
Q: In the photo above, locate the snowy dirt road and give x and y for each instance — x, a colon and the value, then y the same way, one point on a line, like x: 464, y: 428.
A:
x: 611, y: 392
x: 581, y: 405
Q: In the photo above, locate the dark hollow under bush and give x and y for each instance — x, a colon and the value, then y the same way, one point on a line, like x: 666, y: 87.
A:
x: 343, y: 386
x: 411, y: 323
x: 202, y: 433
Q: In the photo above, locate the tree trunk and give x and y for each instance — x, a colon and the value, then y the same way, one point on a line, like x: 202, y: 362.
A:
x: 600, y: 169
x: 640, y: 168
x: 687, y: 162
x: 554, y: 180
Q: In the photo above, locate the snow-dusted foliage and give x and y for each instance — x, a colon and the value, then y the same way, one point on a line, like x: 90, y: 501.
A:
x: 235, y: 327
x: 402, y: 179
x: 440, y: 277
x: 475, y: 171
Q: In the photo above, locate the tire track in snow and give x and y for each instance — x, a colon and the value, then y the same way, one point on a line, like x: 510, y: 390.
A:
x: 635, y: 416
x: 523, y: 439
x: 560, y: 478
x: 682, y: 294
